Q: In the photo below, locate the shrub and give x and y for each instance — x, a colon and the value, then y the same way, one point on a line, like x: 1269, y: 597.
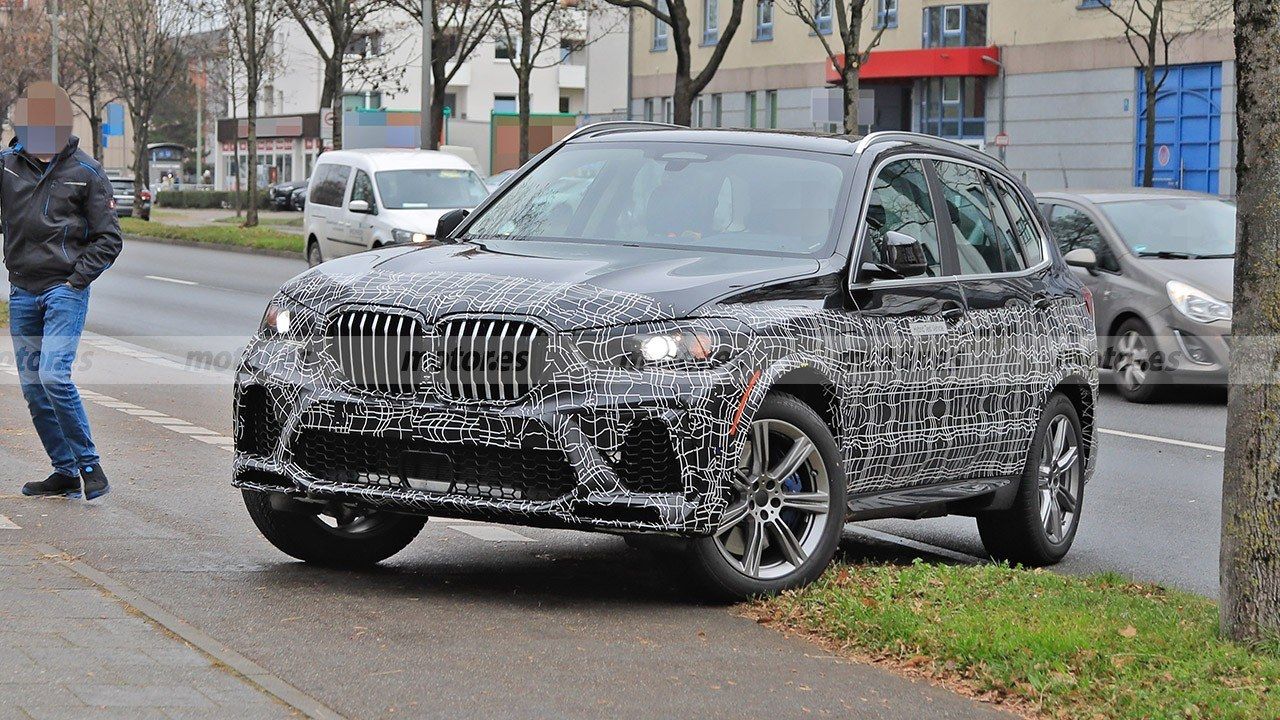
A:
x: 202, y: 199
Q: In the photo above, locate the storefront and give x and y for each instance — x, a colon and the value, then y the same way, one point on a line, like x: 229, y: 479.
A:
x: 287, y: 149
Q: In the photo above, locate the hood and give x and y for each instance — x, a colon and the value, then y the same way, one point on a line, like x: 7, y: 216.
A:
x: 1212, y: 275
x: 423, y: 221
x: 570, y: 285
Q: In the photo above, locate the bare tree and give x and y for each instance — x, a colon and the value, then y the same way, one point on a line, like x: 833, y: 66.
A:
x: 1151, y: 28
x: 457, y: 29
x: 251, y: 30
x: 337, y: 29
x: 1250, y: 560
x: 84, y: 64
x: 25, y: 58
x: 675, y: 14
x: 539, y: 34
x: 848, y: 57
x: 143, y: 39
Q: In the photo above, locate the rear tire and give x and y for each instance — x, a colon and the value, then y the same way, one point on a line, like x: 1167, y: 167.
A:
x: 1032, y: 531
x: 785, y: 514
x: 365, y: 538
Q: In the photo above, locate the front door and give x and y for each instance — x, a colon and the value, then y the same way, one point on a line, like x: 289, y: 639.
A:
x: 901, y: 362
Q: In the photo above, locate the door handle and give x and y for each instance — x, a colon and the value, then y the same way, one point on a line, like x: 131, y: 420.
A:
x: 1041, y: 301
x: 952, y: 312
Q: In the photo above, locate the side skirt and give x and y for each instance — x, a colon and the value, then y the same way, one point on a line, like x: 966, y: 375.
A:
x: 964, y: 497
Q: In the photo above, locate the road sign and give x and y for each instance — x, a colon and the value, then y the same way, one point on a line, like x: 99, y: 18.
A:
x: 1163, y: 155
x: 1001, y: 139
x: 326, y: 125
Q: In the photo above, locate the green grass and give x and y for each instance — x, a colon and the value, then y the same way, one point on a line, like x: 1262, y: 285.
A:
x: 265, y: 220
x: 258, y: 237
x: 1053, y: 646
x: 4, y: 313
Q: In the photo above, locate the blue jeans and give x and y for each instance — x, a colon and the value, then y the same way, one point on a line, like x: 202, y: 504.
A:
x: 46, y: 332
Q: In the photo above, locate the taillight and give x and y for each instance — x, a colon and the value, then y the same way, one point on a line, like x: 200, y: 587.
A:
x: 145, y: 194
x: 1088, y: 301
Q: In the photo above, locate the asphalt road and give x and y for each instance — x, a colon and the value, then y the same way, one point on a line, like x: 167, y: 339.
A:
x: 480, y: 620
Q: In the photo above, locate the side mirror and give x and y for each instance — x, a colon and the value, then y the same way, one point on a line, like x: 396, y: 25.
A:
x: 359, y: 206
x: 904, y: 257
x: 1082, y: 258
x: 450, y: 222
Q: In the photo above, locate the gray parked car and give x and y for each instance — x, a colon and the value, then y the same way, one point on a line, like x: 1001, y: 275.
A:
x: 1159, y: 263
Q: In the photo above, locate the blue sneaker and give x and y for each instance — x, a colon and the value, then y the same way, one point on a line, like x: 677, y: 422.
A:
x: 55, y: 485
x: 94, y: 482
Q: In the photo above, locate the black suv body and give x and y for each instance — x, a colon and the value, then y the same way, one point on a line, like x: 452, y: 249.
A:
x: 742, y: 339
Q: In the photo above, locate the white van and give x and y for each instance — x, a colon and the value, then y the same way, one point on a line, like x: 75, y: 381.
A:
x: 362, y: 199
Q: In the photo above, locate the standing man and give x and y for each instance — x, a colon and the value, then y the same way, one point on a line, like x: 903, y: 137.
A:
x: 60, y: 234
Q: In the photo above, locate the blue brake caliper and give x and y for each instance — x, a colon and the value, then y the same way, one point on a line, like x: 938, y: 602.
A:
x: 791, y: 516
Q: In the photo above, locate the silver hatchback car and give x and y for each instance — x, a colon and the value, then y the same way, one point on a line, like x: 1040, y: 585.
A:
x: 1159, y: 263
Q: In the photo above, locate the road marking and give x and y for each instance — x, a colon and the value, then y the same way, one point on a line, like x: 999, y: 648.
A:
x: 164, y: 420
x: 915, y: 545
x: 176, y: 281
x: 1166, y: 441
x: 492, y: 533
x: 7, y: 524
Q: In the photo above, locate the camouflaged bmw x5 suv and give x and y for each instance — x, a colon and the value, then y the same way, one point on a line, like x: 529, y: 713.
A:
x: 740, y: 340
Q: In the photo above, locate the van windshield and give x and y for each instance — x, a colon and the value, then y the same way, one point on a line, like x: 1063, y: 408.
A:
x: 423, y: 189
x: 709, y: 196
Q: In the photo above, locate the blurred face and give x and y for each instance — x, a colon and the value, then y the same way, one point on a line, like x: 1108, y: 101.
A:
x: 42, y: 119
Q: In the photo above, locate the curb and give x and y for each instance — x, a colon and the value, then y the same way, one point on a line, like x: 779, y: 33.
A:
x: 251, y: 671
x: 215, y: 246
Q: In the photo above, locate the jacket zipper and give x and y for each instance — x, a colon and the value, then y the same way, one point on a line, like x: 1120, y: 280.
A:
x: 48, y: 170
x: 65, y: 256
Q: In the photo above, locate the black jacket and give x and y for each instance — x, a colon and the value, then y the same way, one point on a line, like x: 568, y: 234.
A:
x: 59, y: 225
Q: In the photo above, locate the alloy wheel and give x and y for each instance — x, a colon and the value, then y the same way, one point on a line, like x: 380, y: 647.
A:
x: 349, y: 520
x: 779, y: 503
x: 1058, y: 479
x: 1132, y: 359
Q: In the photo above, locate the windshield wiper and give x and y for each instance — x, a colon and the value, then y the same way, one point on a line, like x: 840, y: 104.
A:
x: 1169, y: 255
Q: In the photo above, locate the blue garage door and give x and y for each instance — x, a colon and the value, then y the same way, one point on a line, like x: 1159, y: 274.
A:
x: 1188, y: 128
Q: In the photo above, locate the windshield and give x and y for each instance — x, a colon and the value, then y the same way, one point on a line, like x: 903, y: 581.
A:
x: 1175, y: 227
x: 681, y: 195
x: 430, y: 189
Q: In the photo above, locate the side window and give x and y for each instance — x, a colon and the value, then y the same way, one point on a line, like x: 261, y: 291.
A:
x: 336, y: 184
x: 1010, y: 256
x: 900, y: 202
x: 362, y: 189
x: 1073, y: 229
x: 969, y: 212
x: 318, y: 180
x: 1024, y: 225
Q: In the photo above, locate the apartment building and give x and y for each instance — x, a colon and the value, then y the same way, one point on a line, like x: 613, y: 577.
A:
x: 1051, y: 86
x: 572, y: 79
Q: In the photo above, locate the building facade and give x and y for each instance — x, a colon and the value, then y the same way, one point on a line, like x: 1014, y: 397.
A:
x: 1050, y: 86
x: 574, y: 78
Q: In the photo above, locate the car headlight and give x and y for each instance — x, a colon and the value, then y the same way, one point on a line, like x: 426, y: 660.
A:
x: 696, y: 344
x: 1196, y: 303
x: 409, y: 236
x: 284, y: 317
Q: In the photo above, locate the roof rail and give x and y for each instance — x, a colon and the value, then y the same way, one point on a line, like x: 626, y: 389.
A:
x: 911, y: 137
x: 615, y: 125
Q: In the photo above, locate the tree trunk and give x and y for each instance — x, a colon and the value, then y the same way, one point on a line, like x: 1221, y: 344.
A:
x: 331, y: 96
x: 95, y: 129
x: 141, y: 158
x: 1250, y: 559
x: 251, y: 208
x: 1149, y: 124
x: 523, y: 74
x: 682, y: 102
x: 849, y: 92
x: 438, y: 92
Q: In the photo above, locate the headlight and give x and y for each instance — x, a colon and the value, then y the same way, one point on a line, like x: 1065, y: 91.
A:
x: 409, y: 236
x: 283, y: 317
x: 675, y: 345
x: 1197, y: 304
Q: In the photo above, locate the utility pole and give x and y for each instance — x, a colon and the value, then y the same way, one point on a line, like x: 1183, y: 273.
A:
x: 424, y: 141
x: 204, y: 78
x: 57, y: 31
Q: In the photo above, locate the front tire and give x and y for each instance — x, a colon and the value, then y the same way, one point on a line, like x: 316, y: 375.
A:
x: 314, y: 255
x: 786, y: 507
x: 1041, y: 525
x: 1137, y: 367
x: 340, y: 536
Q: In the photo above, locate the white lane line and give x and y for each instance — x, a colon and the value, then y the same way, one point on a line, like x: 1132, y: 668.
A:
x: 192, y: 430
x: 7, y: 524
x: 915, y: 545
x: 176, y: 281
x: 141, y: 412
x: 491, y: 533
x: 164, y: 420
x: 1165, y: 440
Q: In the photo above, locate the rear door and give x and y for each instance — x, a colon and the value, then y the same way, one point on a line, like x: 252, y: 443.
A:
x: 326, y: 205
x: 901, y: 357
x: 1010, y: 353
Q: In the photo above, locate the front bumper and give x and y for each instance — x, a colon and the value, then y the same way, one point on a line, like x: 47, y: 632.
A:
x: 607, y: 451
x: 1194, y: 353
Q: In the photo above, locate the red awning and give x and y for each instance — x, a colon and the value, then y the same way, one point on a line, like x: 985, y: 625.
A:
x: 929, y: 62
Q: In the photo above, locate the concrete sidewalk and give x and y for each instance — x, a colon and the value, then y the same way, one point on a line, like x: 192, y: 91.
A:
x: 70, y: 649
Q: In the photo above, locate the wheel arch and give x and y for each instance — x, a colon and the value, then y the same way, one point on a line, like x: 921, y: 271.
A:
x: 1084, y: 399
